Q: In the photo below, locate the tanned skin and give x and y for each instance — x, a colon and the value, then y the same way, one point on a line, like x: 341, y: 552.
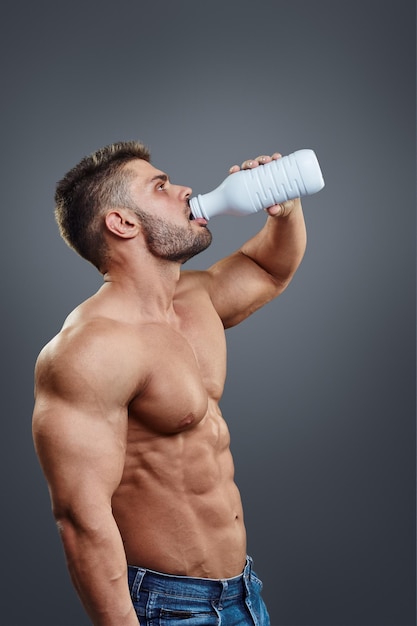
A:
x: 127, y: 423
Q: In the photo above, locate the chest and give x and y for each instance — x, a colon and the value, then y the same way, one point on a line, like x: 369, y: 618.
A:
x: 187, y: 369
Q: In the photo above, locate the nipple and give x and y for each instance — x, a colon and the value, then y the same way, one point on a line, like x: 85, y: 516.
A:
x: 187, y: 421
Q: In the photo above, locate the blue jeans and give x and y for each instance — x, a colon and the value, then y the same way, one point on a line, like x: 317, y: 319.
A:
x: 165, y: 600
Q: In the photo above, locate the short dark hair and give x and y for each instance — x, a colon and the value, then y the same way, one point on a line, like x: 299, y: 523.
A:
x: 98, y: 182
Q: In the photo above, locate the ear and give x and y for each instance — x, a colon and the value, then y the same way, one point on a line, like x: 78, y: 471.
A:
x: 122, y: 223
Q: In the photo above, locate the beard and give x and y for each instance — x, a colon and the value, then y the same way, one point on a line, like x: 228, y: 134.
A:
x: 171, y: 242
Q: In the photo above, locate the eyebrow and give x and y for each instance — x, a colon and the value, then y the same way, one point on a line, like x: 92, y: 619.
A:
x: 162, y: 177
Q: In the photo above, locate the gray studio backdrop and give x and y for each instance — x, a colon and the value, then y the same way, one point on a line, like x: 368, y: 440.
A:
x: 320, y: 395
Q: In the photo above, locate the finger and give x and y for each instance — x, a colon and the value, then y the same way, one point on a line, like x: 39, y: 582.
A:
x: 264, y: 158
x: 284, y: 208
x: 278, y: 210
x: 249, y: 164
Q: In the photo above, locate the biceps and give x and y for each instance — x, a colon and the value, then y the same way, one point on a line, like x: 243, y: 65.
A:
x: 239, y: 287
x: 82, y: 454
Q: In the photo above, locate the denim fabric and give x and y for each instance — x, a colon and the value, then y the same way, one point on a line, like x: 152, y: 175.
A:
x: 165, y: 600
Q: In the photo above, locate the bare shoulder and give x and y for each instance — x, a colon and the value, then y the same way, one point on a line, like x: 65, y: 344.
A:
x: 83, y: 386
x: 194, y: 279
x: 195, y: 296
x: 96, y: 354
x: 195, y: 285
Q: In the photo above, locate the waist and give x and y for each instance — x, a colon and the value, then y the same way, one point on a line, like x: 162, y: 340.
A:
x: 189, y: 586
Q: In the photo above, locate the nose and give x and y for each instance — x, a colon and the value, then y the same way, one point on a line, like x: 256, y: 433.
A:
x: 185, y: 192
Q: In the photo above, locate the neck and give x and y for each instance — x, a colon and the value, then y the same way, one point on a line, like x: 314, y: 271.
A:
x: 149, y: 287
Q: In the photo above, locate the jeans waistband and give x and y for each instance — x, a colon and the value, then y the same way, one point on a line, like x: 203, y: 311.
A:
x: 207, y: 588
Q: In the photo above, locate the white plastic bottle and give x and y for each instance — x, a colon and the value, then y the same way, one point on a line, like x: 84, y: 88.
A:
x: 250, y: 191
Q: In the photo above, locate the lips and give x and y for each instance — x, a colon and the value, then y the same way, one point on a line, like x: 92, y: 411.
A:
x: 198, y: 220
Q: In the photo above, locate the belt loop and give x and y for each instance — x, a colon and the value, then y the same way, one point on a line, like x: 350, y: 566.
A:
x: 248, y: 568
x: 247, y: 574
x: 223, y: 594
x: 137, y: 582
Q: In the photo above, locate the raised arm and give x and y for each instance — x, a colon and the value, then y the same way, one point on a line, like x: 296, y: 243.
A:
x: 79, y: 429
x: 264, y: 266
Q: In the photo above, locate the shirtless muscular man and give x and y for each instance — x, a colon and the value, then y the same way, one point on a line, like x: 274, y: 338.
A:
x: 126, y: 423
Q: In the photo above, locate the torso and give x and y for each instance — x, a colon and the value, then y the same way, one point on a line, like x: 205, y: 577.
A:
x: 177, y: 506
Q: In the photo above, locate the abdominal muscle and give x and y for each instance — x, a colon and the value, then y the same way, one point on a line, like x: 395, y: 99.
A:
x: 177, y: 507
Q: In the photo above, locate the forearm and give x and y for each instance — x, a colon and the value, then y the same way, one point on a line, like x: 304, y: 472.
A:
x: 279, y: 247
x: 98, y: 569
